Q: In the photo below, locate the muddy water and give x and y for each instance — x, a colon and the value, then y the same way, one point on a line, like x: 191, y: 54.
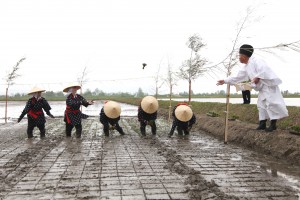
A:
x: 189, y: 167
x: 232, y: 167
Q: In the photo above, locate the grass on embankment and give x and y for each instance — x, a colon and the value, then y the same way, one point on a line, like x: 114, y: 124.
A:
x: 243, y: 112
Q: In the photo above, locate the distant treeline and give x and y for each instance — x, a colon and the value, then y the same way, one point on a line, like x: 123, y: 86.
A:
x: 99, y: 94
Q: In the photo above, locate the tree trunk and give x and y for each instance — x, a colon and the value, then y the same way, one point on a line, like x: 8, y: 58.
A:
x: 6, y: 94
x: 170, y: 106
x: 227, y: 114
x: 156, y: 92
x: 190, y: 90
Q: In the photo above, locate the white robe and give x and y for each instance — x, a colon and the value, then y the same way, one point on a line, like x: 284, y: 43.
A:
x: 270, y: 102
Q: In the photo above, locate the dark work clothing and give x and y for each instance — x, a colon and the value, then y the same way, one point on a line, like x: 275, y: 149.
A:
x: 143, y: 116
x: 143, y: 127
x: 147, y: 119
x: 73, y: 115
x: 34, y: 110
x: 181, y: 126
x: 69, y: 128
x: 35, y: 115
x: 246, y: 96
x: 113, y: 122
x: 31, y: 126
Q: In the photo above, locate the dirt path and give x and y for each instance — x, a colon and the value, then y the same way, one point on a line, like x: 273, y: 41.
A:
x: 133, y: 167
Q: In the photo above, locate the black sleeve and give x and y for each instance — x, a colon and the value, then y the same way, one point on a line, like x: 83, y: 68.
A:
x: 84, y: 102
x: 192, y: 120
x: 26, y: 109
x: 46, y: 106
x: 154, y: 116
x: 103, y: 117
x: 174, y: 124
x: 140, y: 114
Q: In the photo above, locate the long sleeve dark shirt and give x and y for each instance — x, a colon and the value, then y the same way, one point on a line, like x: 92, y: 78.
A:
x: 143, y: 116
x: 72, y: 114
x: 34, y: 110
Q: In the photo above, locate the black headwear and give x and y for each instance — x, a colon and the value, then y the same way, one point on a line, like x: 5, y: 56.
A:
x: 247, y: 50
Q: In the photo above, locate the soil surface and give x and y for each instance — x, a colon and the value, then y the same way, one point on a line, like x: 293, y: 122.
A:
x: 197, y: 166
x: 280, y: 144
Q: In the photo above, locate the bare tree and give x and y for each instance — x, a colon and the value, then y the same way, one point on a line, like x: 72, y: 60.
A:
x: 171, y: 81
x: 82, y: 80
x: 192, y: 68
x: 158, y: 83
x: 10, y: 81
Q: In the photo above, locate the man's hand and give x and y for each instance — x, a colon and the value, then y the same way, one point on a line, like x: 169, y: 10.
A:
x: 50, y: 115
x: 220, y: 82
x: 255, y: 80
x: 19, y: 119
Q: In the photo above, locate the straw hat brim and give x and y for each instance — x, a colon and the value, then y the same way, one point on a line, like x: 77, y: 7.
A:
x: 112, y: 109
x: 70, y: 86
x: 183, y: 113
x: 35, y: 89
x: 149, y: 104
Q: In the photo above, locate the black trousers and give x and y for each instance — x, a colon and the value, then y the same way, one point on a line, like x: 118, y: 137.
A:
x: 31, y: 126
x: 180, y: 130
x: 143, y: 127
x: 69, y: 128
x: 106, y: 128
x: 246, y: 96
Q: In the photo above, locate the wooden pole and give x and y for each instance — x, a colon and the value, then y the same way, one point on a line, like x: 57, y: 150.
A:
x: 190, y: 90
x: 6, y: 94
x: 170, y: 106
x: 227, y: 114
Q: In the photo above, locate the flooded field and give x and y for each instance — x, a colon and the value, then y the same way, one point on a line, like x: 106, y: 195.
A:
x: 58, y: 107
x: 197, y: 166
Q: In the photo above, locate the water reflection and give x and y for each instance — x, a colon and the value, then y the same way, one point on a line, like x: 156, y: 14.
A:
x: 274, y: 172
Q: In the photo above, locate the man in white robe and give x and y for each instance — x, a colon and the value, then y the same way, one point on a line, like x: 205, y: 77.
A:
x: 270, y: 102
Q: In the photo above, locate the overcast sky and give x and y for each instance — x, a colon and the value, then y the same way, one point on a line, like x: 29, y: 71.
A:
x: 113, y: 38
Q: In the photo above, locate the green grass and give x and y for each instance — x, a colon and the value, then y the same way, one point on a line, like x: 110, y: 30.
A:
x: 296, y: 128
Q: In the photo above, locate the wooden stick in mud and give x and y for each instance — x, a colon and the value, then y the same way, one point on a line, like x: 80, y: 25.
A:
x: 227, y: 114
x: 170, y: 106
x: 6, y: 105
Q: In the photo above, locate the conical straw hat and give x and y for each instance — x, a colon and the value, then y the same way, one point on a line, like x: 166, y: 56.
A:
x: 149, y: 104
x: 183, y: 113
x: 112, y: 109
x: 70, y: 86
x: 35, y: 89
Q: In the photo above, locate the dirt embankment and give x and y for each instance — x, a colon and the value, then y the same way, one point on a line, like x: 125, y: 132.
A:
x: 279, y: 144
